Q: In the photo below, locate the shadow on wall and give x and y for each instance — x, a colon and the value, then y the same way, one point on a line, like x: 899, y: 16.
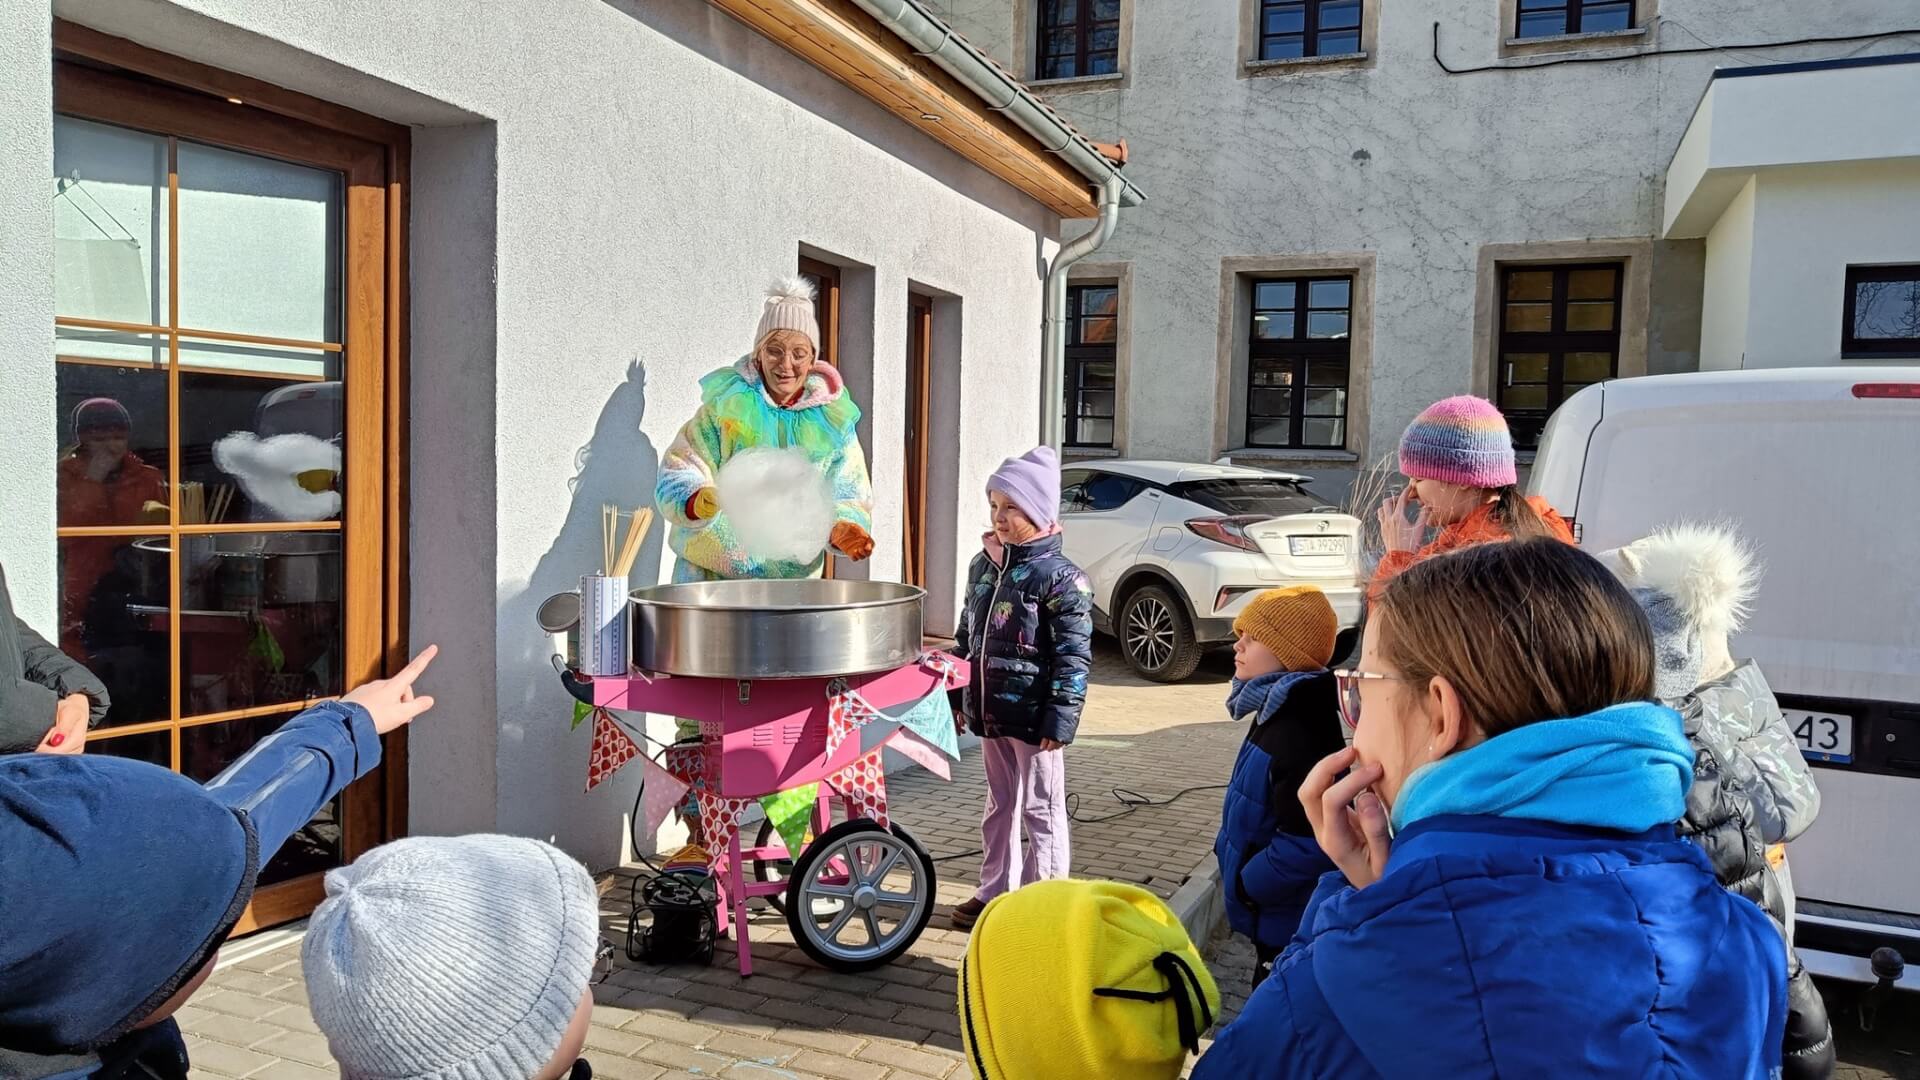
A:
x: 542, y: 763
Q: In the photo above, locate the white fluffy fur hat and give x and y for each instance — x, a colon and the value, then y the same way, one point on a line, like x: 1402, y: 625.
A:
x: 1709, y: 572
x: 789, y: 306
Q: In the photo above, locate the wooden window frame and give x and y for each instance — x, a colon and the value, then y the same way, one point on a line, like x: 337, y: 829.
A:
x: 1310, y: 29
x: 1557, y: 341
x: 1857, y: 348
x: 178, y: 99
x: 1299, y: 351
x: 826, y: 277
x: 1574, y: 15
x: 919, y: 430
x: 1083, y: 27
x: 1079, y: 353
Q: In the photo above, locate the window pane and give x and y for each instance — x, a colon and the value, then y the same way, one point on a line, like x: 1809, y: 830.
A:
x: 1597, y: 18
x: 1326, y: 324
x: 1106, y: 9
x: 1283, y: 47
x: 109, y: 223
x: 1273, y: 325
x: 1268, y: 433
x: 112, y: 432
x: 1591, y: 284
x: 1111, y: 491
x: 1063, y: 43
x: 1058, y: 67
x: 1268, y: 295
x: 1098, y: 330
x: 1529, y: 318
x: 260, y: 449
x: 1523, y: 396
x: 1339, y: 43
x: 1526, y: 367
x: 1059, y: 12
x: 1099, y: 300
x: 1590, y: 316
x: 153, y: 747
x: 1340, y: 15
x: 1323, y: 432
x: 1587, y: 367
x: 312, y: 850
x: 1096, y: 373
x: 1284, y: 18
x: 1885, y: 310
x: 1329, y: 294
x: 143, y: 350
x: 1542, y: 5
x: 260, y: 619
x: 1327, y: 373
x: 1326, y: 402
x: 259, y: 245
x: 1530, y: 285
x: 1095, y: 433
x: 1098, y: 403
x: 316, y: 364
x: 1272, y: 373
x: 1270, y: 403
x: 1545, y: 24
x: 1106, y: 39
x: 113, y: 619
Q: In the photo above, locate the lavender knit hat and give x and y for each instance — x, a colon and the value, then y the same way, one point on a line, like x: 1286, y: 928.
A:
x: 1032, y: 481
x: 1461, y: 440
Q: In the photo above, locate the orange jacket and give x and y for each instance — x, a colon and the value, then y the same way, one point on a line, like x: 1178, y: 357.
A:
x: 1479, y: 527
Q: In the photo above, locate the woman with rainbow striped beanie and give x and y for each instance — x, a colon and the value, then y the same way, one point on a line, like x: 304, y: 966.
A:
x: 1458, y: 459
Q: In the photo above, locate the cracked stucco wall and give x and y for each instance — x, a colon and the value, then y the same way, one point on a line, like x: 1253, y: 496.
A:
x: 1397, y: 158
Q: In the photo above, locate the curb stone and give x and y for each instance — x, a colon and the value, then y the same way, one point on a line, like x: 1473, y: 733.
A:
x: 1200, y: 903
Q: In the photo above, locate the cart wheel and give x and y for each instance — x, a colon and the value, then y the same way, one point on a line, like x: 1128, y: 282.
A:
x: 860, y: 895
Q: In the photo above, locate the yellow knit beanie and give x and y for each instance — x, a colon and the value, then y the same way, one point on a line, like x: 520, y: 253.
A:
x: 1296, y: 623
x: 1067, y: 979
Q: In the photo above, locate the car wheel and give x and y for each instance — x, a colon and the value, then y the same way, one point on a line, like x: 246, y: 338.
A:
x: 1157, y: 637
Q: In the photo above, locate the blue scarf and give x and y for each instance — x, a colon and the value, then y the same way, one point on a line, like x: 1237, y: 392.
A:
x: 1263, y: 694
x: 1625, y: 767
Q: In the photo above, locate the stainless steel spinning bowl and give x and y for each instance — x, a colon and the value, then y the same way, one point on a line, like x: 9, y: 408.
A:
x: 776, y: 629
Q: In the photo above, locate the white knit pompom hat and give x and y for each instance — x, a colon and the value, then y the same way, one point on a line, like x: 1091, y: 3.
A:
x: 789, y: 306
x: 455, y: 958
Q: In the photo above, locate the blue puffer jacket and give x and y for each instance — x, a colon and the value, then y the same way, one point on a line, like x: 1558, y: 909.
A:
x: 1027, y: 628
x: 1269, y: 862
x: 1508, y: 941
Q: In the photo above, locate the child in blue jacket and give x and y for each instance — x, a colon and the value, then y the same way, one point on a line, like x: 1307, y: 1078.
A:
x: 1269, y: 863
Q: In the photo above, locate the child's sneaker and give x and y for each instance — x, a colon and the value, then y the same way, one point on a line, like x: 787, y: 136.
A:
x: 964, y: 914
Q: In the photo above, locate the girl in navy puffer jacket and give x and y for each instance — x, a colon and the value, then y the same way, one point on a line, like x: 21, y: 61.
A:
x: 1026, y: 627
x: 1269, y: 862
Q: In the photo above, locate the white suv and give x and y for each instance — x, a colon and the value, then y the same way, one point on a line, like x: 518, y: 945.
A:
x: 1175, y: 550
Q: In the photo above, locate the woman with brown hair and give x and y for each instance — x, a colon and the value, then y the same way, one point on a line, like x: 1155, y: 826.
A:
x: 1511, y: 886
x: 1458, y: 459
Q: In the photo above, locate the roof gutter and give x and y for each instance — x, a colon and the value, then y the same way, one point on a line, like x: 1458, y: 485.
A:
x: 933, y: 38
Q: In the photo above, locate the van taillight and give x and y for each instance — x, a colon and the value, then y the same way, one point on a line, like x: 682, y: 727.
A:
x: 1886, y: 390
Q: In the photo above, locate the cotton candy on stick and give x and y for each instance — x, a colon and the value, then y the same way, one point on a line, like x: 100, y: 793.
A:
x: 778, y: 502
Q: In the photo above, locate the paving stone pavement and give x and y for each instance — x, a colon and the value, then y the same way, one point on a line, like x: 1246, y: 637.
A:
x: 793, y: 1019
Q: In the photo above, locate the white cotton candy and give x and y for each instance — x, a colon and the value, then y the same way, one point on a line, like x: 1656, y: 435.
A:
x: 267, y: 470
x: 779, y: 503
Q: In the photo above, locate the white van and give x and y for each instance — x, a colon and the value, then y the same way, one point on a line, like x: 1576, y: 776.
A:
x: 1820, y: 469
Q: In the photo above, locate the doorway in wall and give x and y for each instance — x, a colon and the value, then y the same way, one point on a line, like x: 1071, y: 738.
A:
x: 913, y: 567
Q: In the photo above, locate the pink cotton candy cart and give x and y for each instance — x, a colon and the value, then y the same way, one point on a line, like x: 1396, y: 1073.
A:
x: 787, y: 680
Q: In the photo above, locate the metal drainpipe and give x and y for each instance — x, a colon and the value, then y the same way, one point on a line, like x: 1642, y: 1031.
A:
x: 1053, y: 357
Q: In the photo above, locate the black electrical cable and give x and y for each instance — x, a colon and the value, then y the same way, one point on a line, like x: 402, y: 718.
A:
x: 1130, y: 801
x: 1843, y: 40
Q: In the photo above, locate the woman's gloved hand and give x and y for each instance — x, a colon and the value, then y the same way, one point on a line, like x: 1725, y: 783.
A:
x: 704, y: 504
x: 851, y: 540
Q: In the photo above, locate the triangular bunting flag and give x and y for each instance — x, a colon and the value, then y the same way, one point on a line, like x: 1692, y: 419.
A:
x: 612, y: 748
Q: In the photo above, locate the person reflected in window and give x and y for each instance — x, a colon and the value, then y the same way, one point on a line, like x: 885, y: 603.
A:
x: 101, y: 482
x: 48, y: 701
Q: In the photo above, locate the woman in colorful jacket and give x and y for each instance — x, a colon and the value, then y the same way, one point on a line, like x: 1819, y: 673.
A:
x: 782, y: 395
x: 1513, y: 900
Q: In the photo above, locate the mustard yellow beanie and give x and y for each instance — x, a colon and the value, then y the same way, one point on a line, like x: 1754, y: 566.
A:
x: 1296, y: 623
x: 1070, y: 979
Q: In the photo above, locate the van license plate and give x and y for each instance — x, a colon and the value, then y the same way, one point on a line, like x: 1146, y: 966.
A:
x: 1316, y: 545
x: 1822, y: 736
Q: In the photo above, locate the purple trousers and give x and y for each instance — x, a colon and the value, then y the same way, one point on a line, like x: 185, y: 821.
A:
x: 1025, y: 786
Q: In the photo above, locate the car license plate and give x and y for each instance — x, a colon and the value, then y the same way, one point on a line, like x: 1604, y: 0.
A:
x: 1822, y: 736
x: 1316, y: 545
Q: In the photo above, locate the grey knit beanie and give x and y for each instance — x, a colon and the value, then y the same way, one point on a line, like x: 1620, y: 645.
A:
x: 1678, y: 652
x: 455, y: 958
